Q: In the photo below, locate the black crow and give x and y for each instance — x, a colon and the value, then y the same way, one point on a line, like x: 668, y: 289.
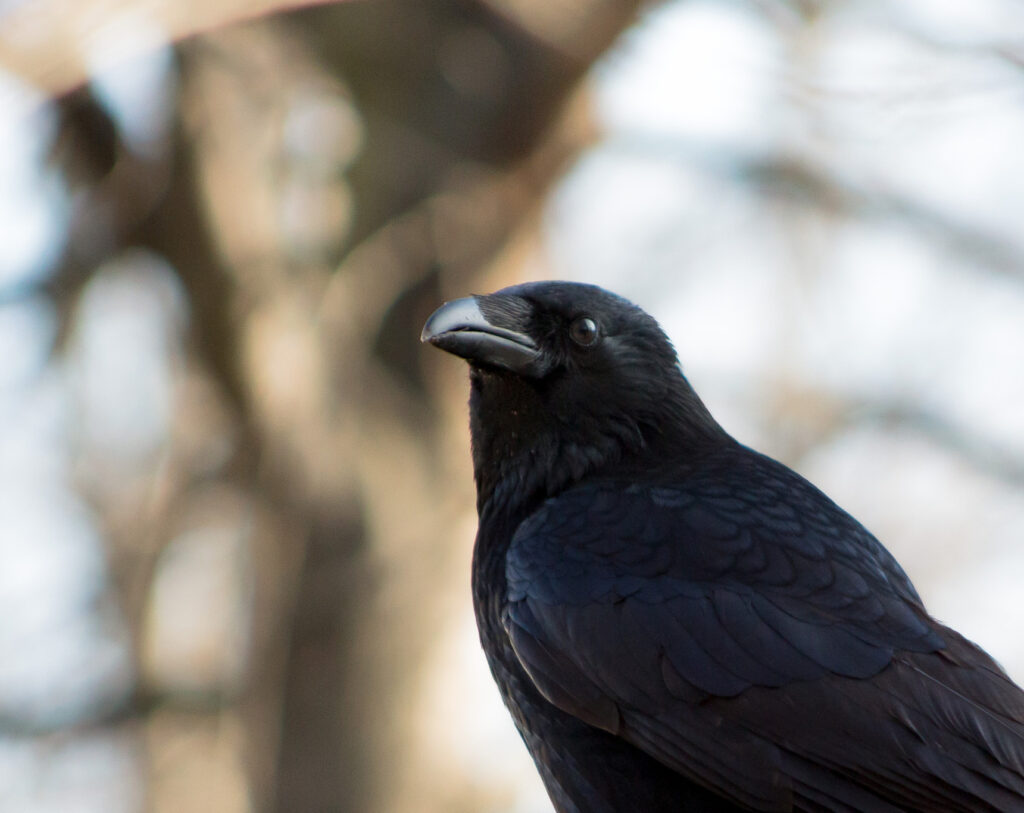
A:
x: 678, y: 623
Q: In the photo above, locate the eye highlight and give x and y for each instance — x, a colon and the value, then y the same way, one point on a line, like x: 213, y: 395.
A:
x: 583, y: 331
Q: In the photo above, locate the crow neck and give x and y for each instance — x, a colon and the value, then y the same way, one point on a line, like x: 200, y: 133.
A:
x: 522, y: 456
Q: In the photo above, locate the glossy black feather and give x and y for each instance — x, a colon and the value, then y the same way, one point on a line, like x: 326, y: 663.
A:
x: 679, y: 623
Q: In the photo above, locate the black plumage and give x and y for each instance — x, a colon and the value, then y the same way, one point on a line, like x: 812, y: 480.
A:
x: 677, y: 622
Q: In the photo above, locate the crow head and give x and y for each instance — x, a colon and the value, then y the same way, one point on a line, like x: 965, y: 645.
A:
x: 567, y: 379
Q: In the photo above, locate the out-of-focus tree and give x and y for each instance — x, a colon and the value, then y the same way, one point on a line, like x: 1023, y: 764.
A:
x: 275, y: 208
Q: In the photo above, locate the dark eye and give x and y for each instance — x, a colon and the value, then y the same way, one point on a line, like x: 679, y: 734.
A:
x: 583, y: 331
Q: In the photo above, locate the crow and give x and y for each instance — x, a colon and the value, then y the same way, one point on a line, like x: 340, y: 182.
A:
x: 679, y: 623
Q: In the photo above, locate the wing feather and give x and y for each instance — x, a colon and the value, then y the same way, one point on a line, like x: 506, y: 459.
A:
x: 759, y: 641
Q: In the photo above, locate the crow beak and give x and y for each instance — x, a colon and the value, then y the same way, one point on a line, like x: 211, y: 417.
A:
x: 496, y: 340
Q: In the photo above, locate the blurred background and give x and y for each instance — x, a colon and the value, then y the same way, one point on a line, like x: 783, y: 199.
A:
x: 236, y: 510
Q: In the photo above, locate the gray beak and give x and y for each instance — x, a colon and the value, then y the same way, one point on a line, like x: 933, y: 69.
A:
x: 495, y: 340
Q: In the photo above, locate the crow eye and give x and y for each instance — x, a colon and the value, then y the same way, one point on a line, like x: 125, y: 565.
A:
x: 583, y: 331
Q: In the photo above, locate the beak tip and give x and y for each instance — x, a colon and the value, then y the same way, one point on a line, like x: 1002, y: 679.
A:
x: 440, y: 322
x: 450, y: 316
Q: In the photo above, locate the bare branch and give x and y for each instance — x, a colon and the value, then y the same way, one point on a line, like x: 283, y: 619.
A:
x: 55, y: 45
